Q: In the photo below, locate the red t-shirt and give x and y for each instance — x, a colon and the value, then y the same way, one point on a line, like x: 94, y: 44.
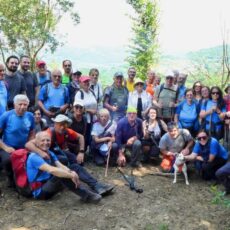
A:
x: 69, y: 135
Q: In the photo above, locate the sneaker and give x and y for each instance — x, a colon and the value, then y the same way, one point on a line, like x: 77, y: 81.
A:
x: 103, y: 189
x: 92, y: 197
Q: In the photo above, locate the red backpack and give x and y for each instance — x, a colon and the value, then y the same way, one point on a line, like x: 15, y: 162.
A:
x: 18, y: 161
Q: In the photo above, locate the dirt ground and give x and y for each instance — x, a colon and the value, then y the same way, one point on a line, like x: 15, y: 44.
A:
x: 162, y: 206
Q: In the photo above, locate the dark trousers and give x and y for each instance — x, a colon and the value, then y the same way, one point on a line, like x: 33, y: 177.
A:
x: 223, y: 175
x: 6, y: 163
x: 69, y: 159
x: 208, y: 169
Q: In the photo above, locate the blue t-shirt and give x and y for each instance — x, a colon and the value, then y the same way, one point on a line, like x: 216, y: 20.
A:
x: 181, y: 94
x: 215, y: 117
x: 34, y: 162
x: 212, y: 147
x: 52, y: 96
x: 187, y: 114
x: 3, y: 97
x: 16, y: 129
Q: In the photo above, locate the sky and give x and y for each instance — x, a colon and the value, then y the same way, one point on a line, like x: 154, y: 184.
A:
x: 185, y: 25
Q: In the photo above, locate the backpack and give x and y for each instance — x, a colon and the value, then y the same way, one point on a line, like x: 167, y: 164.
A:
x: 82, y: 94
x: 18, y: 160
x: 162, y: 86
x: 64, y: 92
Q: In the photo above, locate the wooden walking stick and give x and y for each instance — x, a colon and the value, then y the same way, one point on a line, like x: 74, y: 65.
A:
x: 107, y: 162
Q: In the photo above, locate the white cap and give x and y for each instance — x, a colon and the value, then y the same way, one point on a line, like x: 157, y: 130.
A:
x: 61, y: 118
x: 169, y: 73
x: 78, y: 102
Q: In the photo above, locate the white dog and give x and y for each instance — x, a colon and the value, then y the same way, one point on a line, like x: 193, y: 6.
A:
x: 179, y: 166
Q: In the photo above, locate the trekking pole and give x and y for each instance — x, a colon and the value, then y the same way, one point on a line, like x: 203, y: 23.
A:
x: 210, y: 125
x: 107, y: 162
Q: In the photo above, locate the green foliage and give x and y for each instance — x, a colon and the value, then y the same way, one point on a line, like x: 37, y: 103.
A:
x: 28, y: 26
x: 143, y: 48
x: 219, y: 197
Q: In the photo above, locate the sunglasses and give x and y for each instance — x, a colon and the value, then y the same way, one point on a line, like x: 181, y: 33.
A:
x: 202, y: 138
x: 140, y: 84
x: 67, y: 65
x: 169, y: 78
x: 57, y: 76
x: 215, y: 93
x: 78, y: 107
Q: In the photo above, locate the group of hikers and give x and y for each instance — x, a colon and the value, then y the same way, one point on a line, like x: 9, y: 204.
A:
x: 63, y: 119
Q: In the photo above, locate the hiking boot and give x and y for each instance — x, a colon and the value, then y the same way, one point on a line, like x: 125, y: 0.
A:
x: 92, y: 197
x: 103, y: 189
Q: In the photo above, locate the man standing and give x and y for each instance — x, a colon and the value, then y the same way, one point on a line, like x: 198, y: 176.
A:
x: 67, y: 67
x: 30, y: 80
x: 165, y: 98
x: 53, y: 97
x: 3, y: 90
x: 181, y: 86
x: 128, y: 135
x: 129, y: 83
x: 116, y: 98
x: 15, y: 82
x: 43, y: 75
x: 17, y: 127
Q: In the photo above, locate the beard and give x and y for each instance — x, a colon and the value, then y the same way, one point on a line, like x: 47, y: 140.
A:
x: 12, y: 69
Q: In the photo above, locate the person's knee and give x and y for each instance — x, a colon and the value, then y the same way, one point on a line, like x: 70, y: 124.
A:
x: 137, y: 144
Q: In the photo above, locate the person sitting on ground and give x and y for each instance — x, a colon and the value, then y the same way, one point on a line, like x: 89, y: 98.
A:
x: 209, y: 155
x: 40, y: 123
x: 213, y: 112
x: 223, y: 176
x: 46, y: 176
x: 128, y: 137
x: 174, y: 141
x: 103, y: 137
x: 165, y: 98
x: 60, y: 136
x: 53, y: 97
x: 17, y: 127
x: 96, y: 86
x: 187, y: 113
x: 153, y: 129
x: 116, y: 98
x: 139, y: 99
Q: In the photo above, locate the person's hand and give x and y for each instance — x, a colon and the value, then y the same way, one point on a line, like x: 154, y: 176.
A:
x: 75, y: 178
x: 131, y: 140
x: 45, y: 155
x: 110, y: 144
x: 171, y: 104
x: 114, y: 108
x: 199, y: 158
x: 80, y: 158
x: 170, y: 154
x: 63, y: 109
x: 185, y: 151
x: 49, y: 114
x: 121, y: 160
x: 9, y: 149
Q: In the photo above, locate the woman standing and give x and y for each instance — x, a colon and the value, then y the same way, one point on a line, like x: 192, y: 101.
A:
x: 139, y: 99
x: 197, y: 86
x: 213, y: 112
x: 187, y: 113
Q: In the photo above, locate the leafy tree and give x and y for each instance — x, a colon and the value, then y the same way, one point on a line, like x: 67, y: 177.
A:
x: 144, y: 46
x: 28, y: 26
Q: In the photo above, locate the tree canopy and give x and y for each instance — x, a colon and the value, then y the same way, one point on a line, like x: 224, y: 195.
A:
x: 28, y: 26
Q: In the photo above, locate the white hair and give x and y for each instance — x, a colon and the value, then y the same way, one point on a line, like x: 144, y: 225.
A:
x: 21, y: 97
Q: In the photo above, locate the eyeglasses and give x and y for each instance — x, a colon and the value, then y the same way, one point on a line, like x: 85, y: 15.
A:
x: 215, y: 93
x: 202, y: 138
x: 67, y: 65
x: 57, y: 76
x: 78, y: 107
x: 169, y: 78
x: 139, y: 84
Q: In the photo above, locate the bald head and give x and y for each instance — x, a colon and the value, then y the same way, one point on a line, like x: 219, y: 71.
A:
x: 43, y: 140
x: 56, y: 76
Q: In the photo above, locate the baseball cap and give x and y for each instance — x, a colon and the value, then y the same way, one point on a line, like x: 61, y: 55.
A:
x: 78, y: 102
x: 138, y: 80
x: 40, y: 62
x: 169, y: 74
x: 61, y: 118
x: 131, y: 110
x: 84, y: 78
x: 118, y: 74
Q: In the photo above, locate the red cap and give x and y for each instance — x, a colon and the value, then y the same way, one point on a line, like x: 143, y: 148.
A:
x: 84, y: 78
x: 40, y: 62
